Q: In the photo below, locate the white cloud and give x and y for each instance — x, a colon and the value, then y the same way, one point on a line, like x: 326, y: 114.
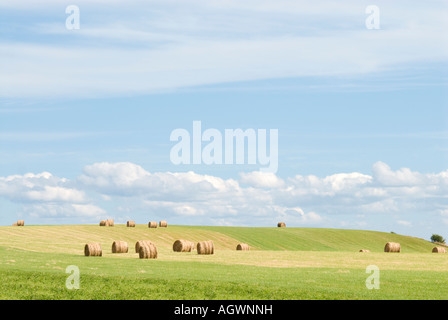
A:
x: 261, y: 179
x: 402, y: 177
x: 40, y: 187
x: 128, y: 179
x: 254, y: 199
x: 122, y: 175
x: 44, y: 195
x: 263, y: 196
x: 56, y: 194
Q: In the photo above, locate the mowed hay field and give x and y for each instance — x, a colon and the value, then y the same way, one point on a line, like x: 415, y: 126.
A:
x: 283, y: 263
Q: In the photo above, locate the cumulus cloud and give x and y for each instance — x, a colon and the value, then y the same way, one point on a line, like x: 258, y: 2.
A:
x: 256, y: 198
x: 129, y: 179
x: 261, y: 179
x: 402, y: 177
x: 40, y: 187
x: 45, y: 195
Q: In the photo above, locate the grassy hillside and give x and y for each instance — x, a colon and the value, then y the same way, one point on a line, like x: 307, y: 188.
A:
x: 320, y: 239
x: 284, y: 263
x: 71, y: 238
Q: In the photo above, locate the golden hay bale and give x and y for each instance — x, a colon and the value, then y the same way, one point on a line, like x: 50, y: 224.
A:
x: 183, y: 246
x: 152, y: 224
x: 439, y: 250
x: 281, y: 225
x: 105, y: 223
x: 147, y: 251
x: 130, y: 224
x: 93, y: 249
x: 111, y: 222
x: 15, y: 224
x: 364, y: 250
x: 242, y: 246
x: 139, y: 243
x: 20, y: 223
x: 392, y: 247
x: 205, y: 247
x: 163, y: 224
x: 120, y: 247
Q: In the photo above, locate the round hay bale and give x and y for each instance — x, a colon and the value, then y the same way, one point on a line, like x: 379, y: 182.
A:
x: 205, y: 247
x: 152, y: 224
x: 364, y: 250
x: 15, y: 224
x: 392, y: 247
x: 281, y: 225
x: 20, y: 223
x: 147, y: 251
x: 183, y: 246
x: 120, y: 247
x: 242, y: 246
x: 111, y: 222
x: 104, y: 223
x: 93, y: 249
x: 439, y: 250
x: 163, y: 224
x: 139, y: 243
x: 130, y: 224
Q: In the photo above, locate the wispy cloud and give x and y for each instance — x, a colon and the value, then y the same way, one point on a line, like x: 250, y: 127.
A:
x: 172, y: 45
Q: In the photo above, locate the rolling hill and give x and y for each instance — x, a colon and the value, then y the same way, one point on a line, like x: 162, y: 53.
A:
x: 72, y: 238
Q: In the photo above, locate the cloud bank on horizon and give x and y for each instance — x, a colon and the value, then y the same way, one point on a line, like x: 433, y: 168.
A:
x: 125, y: 190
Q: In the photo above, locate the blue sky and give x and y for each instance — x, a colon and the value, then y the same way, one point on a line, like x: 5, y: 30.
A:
x: 86, y: 115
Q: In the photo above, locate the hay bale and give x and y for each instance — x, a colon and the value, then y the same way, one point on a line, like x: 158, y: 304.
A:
x: 392, y: 247
x: 242, y: 246
x: 152, y: 224
x: 205, y: 247
x: 111, y: 222
x: 104, y: 223
x: 163, y: 224
x: 130, y: 224
x: 147, y: 251
x: 14, y: 224
x: 364, y: 250
x: 120, y: 247
x: 438, y: 250
x: 139, y: 243
x: 183, y: 246
x: 281, y: 225
x: 20, y: 223
x: 93, y: 249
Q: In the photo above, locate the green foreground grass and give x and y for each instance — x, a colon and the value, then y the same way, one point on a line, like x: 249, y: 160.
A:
x: 33, y: 264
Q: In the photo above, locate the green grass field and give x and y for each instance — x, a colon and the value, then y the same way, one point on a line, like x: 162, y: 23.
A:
x: 284, y: 263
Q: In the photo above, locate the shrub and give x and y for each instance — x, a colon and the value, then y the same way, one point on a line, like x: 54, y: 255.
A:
x: 437, y: 238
